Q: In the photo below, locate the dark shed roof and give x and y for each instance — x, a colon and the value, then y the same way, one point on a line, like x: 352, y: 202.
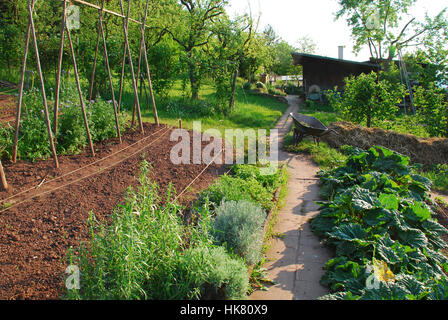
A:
x: 300, y: 58
x: 327, y: 73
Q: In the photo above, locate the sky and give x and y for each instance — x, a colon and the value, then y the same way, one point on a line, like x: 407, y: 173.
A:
x: 293, y: 19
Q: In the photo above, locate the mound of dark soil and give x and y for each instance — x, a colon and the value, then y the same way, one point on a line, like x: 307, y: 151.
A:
x: 419, y: 150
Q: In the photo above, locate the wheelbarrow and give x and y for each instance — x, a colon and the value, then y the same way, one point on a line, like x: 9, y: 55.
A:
x: 305, y: 126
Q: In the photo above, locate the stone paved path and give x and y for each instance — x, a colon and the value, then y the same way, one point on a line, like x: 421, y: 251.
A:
x: 295, y: 260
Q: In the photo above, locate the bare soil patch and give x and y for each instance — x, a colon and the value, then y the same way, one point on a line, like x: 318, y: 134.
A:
x: 36, y: 234
x: 7, y: 108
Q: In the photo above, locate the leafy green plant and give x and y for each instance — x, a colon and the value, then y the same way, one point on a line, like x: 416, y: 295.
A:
x: 276, y: 92
x: 379, y: 224
x: 270, y: 182
x: 367, y: 99
x: 235, y: 189
x: 146, y: 252
x: 432, y: 109
x: 239, y: 226
x: 102, y: 120
x: 438, y: 174
x: 211, y: 273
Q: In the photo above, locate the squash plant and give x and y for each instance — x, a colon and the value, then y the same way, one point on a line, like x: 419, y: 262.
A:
x: 380, y: 223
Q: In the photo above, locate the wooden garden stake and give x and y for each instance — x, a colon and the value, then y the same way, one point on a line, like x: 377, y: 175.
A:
x: 58, y: 77
x: 145, y: 54
x: 120, y: 92
x: 123, y: 63
x: 142, y: 40
x: 154, y: 107
x: 41, y: 78
x: 75, y: 68
x: 22, y: 81
x: 125, y: 29
x: 106, y: 60
x: 3, y: 177
x: 92, y: 80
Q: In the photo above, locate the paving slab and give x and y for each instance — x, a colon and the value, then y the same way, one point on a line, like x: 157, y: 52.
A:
x: 296, y: 259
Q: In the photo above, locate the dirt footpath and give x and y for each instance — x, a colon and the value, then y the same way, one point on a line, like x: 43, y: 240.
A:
x: 296, y: 258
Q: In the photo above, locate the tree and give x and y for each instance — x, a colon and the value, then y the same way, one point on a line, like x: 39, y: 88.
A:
x: 306, y: 44
x: 379, y: 24
x: 432, y: 109
x: 367, y: 99
x: 226, y: 51
x: 282, y: 58
x: 194, y: 32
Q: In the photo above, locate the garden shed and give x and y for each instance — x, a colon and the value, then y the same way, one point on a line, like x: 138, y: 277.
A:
x: 326, y: 72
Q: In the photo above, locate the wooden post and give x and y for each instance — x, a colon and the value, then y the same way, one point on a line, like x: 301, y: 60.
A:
x: 3, y: 177
x: 41, y: 78
x: 151, y: 92
x: 75, y: 71
x: 180, y: 123
x: 106, y: 60
x: 143, y: 43
x: 22, y: 81
x: 58, y: 77
x: 92, y: 80
x: 123, y: 63
x: 134, y: 84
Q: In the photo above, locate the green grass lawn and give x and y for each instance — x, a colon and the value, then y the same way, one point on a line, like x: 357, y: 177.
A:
x: 251, y: 110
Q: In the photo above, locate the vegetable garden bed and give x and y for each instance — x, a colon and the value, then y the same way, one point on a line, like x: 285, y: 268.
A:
x: 381, y: 224
x: 209, y: 257
x: 35, y: 235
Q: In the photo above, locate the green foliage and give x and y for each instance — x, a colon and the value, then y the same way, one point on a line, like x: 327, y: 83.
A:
x: 247, y: 86
x: 276, y: 92
x: 211, y: 273
x: 185, y: 108
x: 366, y: 100
x: 438, y: 174
x: 377, y: 25
x: 239, y: 226
x: 230, y: 188
x: 145, y: 253
x: 102, y: 120
x: 269, y: 182
x: 71, y: 137
x: 432, y: 109
x: 377, y: 215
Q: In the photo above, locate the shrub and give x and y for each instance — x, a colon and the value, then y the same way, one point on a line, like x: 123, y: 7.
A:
x: 234, y: 188
x: 102, y: 120
x: 6, y: 140
x: 292, y: 89
x: 367, y: 99
x: 269, y: 182
x: 72, y: 136
x: 33, y: 136
x: 239, y: 226
x: 211, y: 273
x: 276, y: 92
x: 247, y: 86
x: 433, y: 110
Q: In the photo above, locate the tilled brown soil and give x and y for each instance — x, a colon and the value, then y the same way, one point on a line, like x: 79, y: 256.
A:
x: 38, y: 226
x: 7, y: 108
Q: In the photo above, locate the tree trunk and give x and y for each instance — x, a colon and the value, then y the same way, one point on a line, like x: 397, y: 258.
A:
x: 232, y: 93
